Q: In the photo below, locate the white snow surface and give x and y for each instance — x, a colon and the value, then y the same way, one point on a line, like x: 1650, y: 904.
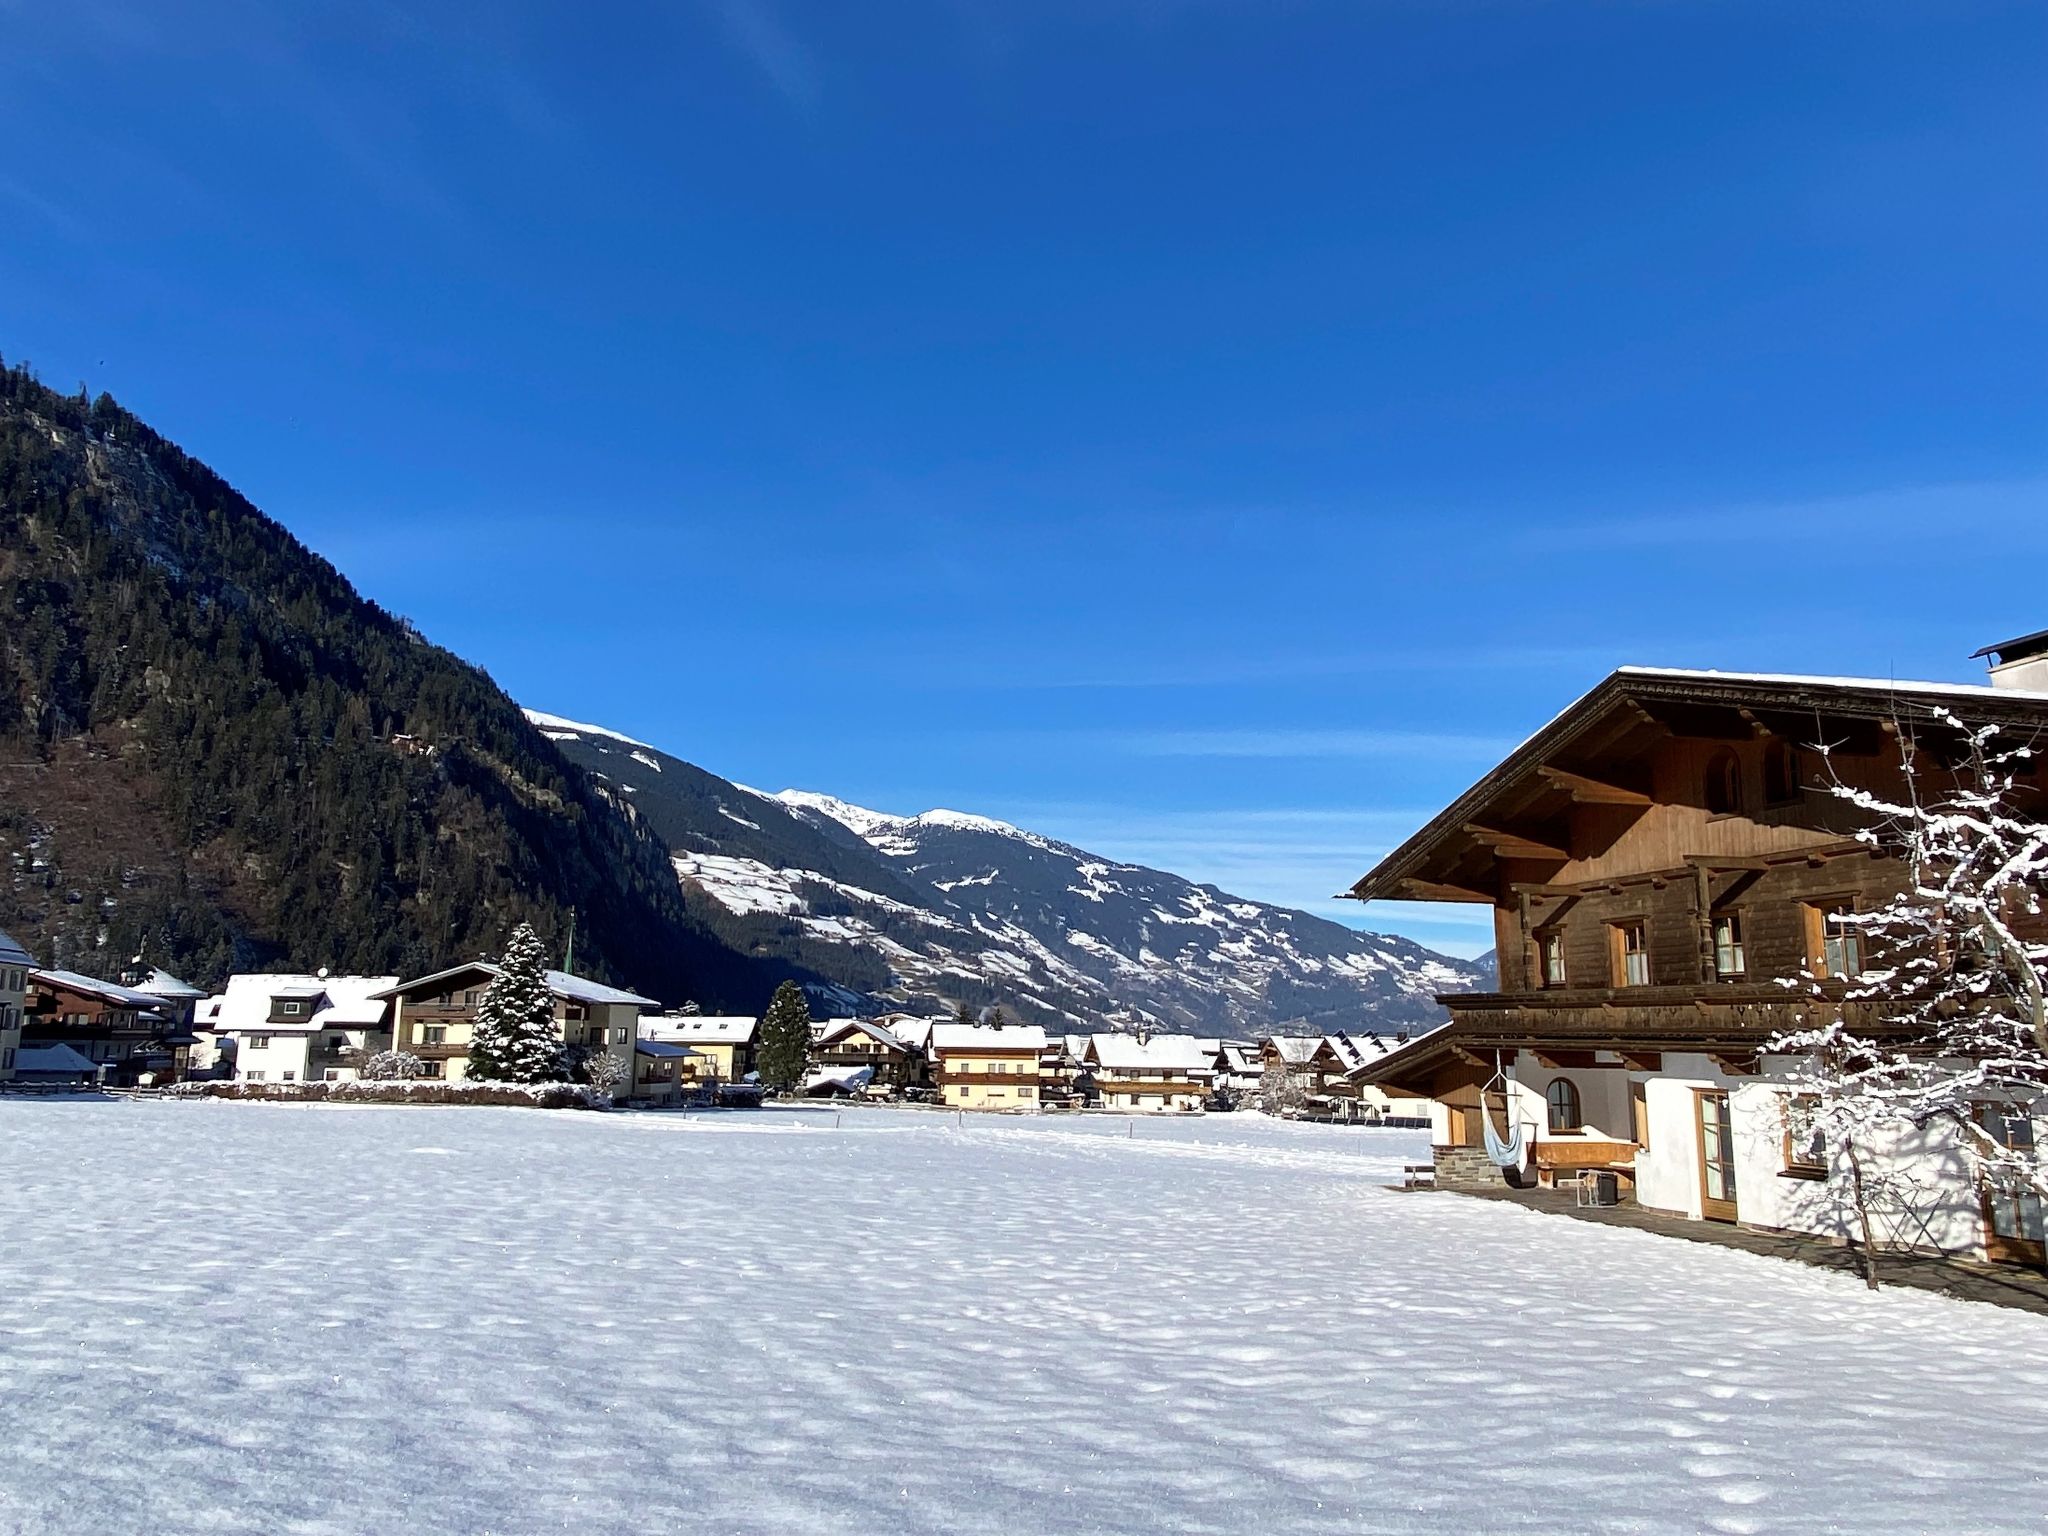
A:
x: 561, y: 728
x: 330, y: 1320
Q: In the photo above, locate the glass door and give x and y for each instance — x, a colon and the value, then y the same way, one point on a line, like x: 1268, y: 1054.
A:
x: 2013, y: 1215
x: 1717, y: 1156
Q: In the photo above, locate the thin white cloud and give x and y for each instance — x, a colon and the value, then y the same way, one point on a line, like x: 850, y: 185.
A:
x: 757, y: 31
x: 1286, y: 743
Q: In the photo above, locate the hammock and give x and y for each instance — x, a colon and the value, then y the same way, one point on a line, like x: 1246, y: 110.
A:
x: 1512, y: 1150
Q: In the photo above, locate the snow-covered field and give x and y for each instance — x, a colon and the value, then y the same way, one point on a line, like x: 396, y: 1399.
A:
x: 262, y: 1318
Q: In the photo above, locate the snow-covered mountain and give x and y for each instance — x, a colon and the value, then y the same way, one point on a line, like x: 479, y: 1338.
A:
x: 929, y: 910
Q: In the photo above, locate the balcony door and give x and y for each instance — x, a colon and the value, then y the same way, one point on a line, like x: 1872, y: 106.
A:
x: 1717, y: 1155
x: 2013, y: 1214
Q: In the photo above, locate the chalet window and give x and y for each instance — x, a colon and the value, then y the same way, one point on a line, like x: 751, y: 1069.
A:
x: 1806, y: 1147
x: 434, y: 1034
x: 430, y: 1069
x: 259, y: 1042
x: 287, y: 1076
x: 1835, y: 940
x: 575, y: 1011
x: 331, y: 1075
x: 1724, y: 783
x: 1728, y: 956
x: 252, y: 1077
x: 1563, y: 1099
x: 1781, y: 773
x: 1631, y: 953
x: 619, y: 1035
x: 289, y: 1008
x: 1639, y: 1112
x: 1550, y: 958
x: 469, y: 999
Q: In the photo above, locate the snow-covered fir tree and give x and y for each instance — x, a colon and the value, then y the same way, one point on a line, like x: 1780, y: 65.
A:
x: 515, y: 1038
x: 1944, y: 1026
x: 785, y: 1054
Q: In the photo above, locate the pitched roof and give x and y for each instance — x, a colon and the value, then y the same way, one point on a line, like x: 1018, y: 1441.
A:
x: 664, y: 1049
x: 1170, y: 1053
x: 1296, y: 1050
x: 987, y: 1037
x: 161, y: 983
x: 564, y: 984
x: 825, y: 1031
x: 12, y: 953
x: 1651, y: 701
x: 106, y: 991
x: 340, y: 1002
x: 701, y: 1028
x: 52, y: 1058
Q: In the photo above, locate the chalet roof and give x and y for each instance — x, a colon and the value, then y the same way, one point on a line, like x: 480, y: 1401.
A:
x: 987, y: 1037
x: 52, y: 1058
x: 340, y: 1002
x: 666, y: 1050
x: 161, y: 983
x: 1170, y: 1053
x: 1296, y: 1050
x: 2015, y: 649
x: 825, y: 1031
x: 564, y: 984
x: 1575, y: 755
x: 11, y: 953
x: 701, y: 1028
x: 105, y: 991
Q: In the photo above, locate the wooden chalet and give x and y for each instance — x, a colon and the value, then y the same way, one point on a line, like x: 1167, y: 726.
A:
x: 1659, y: 859
x: 128, y: 1035
x: 434, y: 1015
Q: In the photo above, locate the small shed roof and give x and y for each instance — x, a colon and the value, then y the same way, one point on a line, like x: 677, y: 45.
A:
x: 11, y: 953
x: 52, y: 1058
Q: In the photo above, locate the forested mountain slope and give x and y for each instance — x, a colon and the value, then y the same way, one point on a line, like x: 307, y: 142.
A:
x: 213, y: 749
x: 948, y: 907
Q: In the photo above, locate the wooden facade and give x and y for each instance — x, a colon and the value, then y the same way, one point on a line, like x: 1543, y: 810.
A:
x: 1660, y: 861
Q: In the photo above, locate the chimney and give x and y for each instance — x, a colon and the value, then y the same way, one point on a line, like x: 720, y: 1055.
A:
x: 2020, y: 663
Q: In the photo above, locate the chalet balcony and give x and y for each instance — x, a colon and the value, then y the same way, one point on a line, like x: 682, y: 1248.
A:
x: 1697, y: 1015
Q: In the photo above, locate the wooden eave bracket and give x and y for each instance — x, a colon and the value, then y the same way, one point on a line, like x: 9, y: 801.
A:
x: 1591, y: 791
x: 1515, y: 845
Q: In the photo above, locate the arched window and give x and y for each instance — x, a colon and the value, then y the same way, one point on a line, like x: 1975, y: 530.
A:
x: 1563, y: 1097
x: 1724, y: 784
x: 1781, y: 773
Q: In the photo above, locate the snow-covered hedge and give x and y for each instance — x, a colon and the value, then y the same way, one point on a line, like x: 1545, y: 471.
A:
x: 403, y: 1091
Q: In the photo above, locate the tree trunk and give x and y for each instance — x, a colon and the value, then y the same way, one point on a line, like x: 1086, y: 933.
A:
x: 1862, y: 1212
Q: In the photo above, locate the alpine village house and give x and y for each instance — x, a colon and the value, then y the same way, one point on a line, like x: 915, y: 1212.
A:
x: 1660, y: 860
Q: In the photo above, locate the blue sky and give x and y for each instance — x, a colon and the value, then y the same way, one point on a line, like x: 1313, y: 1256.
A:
x: 1208, y: 431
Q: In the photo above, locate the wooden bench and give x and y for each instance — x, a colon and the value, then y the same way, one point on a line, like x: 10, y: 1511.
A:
x: 1418, y: 1176
x: 1567, y: 1163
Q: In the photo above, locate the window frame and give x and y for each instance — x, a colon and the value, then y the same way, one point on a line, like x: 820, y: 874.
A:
x: 1781, y: 760
x: 1571, y: 1099
x: 1794, y: 1163
x: 1619, y: 954
x: 1818, y: 910
x: 1549, y: 942
x: 1732, y: 919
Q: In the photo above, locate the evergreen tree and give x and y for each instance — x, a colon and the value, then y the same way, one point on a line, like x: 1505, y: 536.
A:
x: 962, y: 1014
x: 995, y: 1017
x: 515, y: 1038
x: 785, y: 1040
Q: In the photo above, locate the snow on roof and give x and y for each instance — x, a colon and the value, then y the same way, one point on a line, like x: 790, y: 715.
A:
x: 846, y: 1078
x: 1801, y: 679
x: 560, y: 727
x: 825, y: 1031
x: 341, y: 1002
x: 1296, y: 1050
x: 665, y: 1049
x: 52, y: 1058
x: 701, y: 1028
x: 987, y: 1037
x: 565, y: 984
x: 106, y: 991
x: 12, y: 953
x: 1127, y: 1053
x: 162, y: 983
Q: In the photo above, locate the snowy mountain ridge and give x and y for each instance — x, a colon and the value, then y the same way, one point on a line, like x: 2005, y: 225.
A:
x: 925, y: 911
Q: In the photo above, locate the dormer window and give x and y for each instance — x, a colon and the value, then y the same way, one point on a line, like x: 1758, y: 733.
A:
x: 1724, y: 784
x: 289, y: 1008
